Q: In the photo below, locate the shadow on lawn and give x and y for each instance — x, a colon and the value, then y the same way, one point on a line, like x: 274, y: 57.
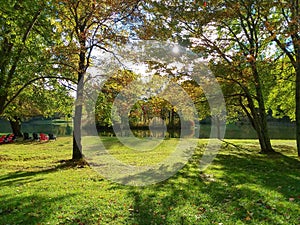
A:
x: 236, y: 188
x: 22, y: 177
x: 240, y: 191
x: 33, y: 209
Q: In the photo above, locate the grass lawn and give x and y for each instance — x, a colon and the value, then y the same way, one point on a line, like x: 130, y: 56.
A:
x: 39, y: 185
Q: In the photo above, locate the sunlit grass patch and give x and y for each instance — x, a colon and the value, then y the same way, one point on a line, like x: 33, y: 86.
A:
x: 40, y: 185
x: 131, y: 151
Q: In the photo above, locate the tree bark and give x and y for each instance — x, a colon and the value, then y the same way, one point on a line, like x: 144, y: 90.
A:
x: 2, y: 103
x: 261, y: 116
x: 15, y: 124
x: 258, y: 119
x: 298, y: 99
x: 260, y: 126
x: 77, y: 147
x: 172, y: 118
x: 296, y: 42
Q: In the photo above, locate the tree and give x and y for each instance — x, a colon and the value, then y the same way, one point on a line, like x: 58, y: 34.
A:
x: 230, y: 33
x: 27, y: 33
x: 87, y: 25
x: 43, y: 98
x: 108, y: 93
x: 282, y: 22
x: 282, y: 94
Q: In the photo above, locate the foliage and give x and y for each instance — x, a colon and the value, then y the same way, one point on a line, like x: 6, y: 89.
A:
x: 196, y: 93
x: 153, y: 98
x: 108, y: 93
x: 41, y: 99
x: 27, y: 35
x: 282, y: 94
x: 231, y: 35
x: 283, y: 29
x: 86, y: 25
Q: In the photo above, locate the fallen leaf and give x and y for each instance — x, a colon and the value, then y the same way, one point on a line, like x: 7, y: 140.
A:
x: 248, y: 218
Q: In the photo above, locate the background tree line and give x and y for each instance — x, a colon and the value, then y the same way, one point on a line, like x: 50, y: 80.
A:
x: 253, y: 47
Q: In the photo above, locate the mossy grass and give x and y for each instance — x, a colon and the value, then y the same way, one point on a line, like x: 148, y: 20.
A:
x: 39, y: 184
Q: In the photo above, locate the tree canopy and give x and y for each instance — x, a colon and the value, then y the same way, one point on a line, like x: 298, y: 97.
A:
x: 252, y: 46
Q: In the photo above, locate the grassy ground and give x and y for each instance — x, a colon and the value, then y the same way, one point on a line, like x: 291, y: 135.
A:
x: 38, y: 185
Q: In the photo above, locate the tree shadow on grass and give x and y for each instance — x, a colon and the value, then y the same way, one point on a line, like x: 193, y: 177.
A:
x: 29, y: 142
x: 32, y: 209
x: 243, y: 187
x: 22, y: 177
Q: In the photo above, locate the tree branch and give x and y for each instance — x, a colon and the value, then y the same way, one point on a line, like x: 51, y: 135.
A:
x: 19, y: 52
x: 32, y: 81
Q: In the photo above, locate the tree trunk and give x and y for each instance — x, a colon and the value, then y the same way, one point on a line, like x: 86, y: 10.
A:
x: 298, y: 99
x: 15, y: 124
x: 264, y: 141
x: 77, y: 147
x: 172, y: 119
x: 263, y: 134
x: 296, y: 42
x: 260, y: 115
x: 258, y: 119
x: 2, y: 103
x: 261, y: 130
x: 217, y: 123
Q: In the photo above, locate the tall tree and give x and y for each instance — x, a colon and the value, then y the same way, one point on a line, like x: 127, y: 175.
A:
x: 89, y: 24
x: 282, y: 94
x: 282, y: 22
x: 43, y: 98
x: 108, y: 93
x: 230, y: 34
x: 27, y: 33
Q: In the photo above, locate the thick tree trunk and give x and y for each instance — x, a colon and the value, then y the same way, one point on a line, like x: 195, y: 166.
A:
x: 258, y: 119
x: 172, y: 118
x: 15, y: 124
x: 261, y: 130
x: 77, y: 147
x: 2, y: 103
x: 264, y: 141
x: 264, y: 138
x: 259, y: 123
x: 217, y: 123
x: 298, y: 101
x: 260, y: 115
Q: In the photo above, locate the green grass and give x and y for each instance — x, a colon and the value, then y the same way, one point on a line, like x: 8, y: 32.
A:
x: 39, y: 185
x: 141, y: 153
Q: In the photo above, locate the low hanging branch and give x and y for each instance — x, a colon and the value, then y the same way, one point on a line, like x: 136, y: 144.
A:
x: 31, y: 82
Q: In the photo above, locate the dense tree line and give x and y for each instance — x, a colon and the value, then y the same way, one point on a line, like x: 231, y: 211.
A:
x: 244, y: 41
x: 253, y: 47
